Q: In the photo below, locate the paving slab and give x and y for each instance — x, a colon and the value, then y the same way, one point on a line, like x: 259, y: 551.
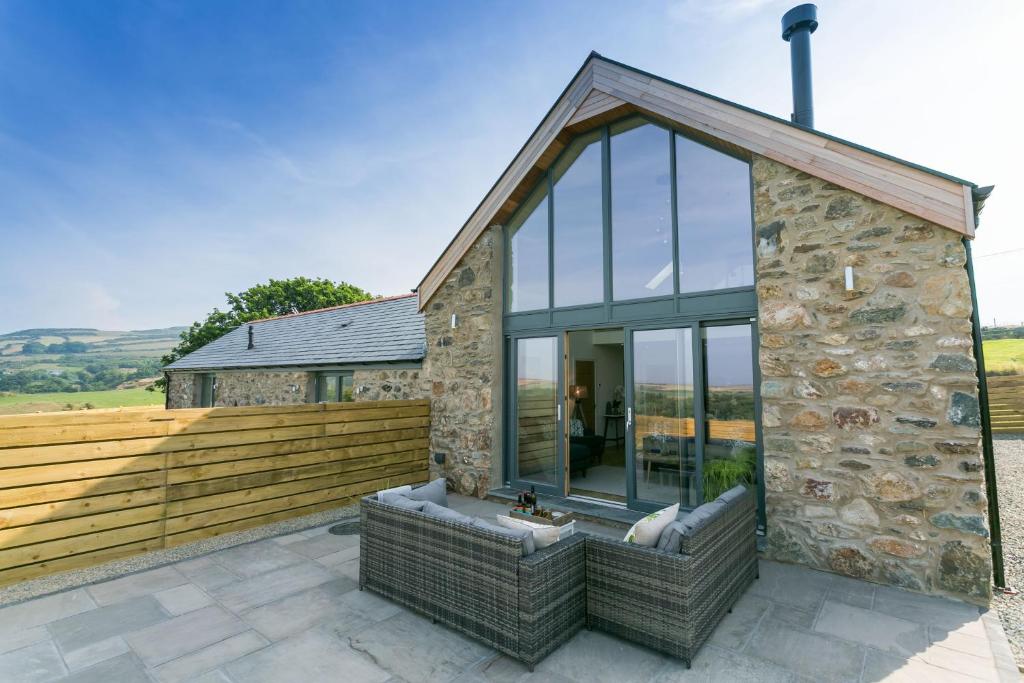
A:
x: 736, y: 629
x: 926, y: 609
x: 19, y: 638
x: 134, y: 585
x: 357, y: 610
x: 881, y: 666
x: 253, y: 559
x: 181, y: 635
x: 310, y: 657
x: 78, y: 631
x: 322, y: 544
x: 874, y: 629
x: 413, y: 649
x: 300, y: 611
x: 264, y: 588
x: 818, y: 656
x: 182, y: 599
x: 206, y: 574
x: 39, y: 662
x: 339, y: 557
x: 95, y: 653
x: 723, y: 666
x: 124, y: 669
x: 595, y: 657
x: 186, y: 667
x: 43, y: 610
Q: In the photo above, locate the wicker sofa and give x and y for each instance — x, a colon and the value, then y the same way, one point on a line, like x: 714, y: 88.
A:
x: 474, y: 580
x: 672, y: 601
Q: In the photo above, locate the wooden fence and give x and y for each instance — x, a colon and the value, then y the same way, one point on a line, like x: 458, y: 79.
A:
x: 86, y: 487
x: 1006, y: 403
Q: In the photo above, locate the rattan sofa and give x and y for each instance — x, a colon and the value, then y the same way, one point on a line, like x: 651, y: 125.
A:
x: 672, y: 601
x: 474, y: 580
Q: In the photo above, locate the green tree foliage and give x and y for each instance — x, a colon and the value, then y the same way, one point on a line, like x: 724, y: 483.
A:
x: 98, y: 375
x: 276, y: 297
x: 33, y: 347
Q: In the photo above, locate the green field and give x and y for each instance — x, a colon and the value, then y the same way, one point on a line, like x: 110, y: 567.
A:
x: 1004, y: 356
x: 13, y: 404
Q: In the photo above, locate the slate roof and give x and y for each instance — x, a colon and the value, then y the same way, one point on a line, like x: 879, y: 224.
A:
x: 378, y: 331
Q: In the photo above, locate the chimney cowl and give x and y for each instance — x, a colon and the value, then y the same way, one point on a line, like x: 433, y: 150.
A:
x: 799, y: 17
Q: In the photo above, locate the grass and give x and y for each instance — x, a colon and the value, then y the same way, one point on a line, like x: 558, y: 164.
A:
x: 1004, y: 356
x: 14, y: 404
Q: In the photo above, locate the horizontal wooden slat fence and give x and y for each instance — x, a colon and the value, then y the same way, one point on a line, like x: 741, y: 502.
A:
x: 1006, y: 403
x: 81, y: 488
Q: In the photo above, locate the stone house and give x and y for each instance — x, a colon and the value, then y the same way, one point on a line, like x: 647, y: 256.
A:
x: 367, y: 351
x: 742, y: 298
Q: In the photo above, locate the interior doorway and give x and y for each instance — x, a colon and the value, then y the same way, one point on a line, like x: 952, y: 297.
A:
x: 595, y: 382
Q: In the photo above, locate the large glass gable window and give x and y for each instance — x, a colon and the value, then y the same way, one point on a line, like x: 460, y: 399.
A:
x: 631, y: 211
x: 641, y: 196
x: 578, y: 221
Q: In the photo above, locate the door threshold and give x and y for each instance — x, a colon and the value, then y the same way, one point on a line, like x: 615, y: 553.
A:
x: 597, y: 501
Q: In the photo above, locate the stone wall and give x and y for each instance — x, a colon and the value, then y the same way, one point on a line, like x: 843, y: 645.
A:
x: 873, y: 463
x: 389, y: 385
x: 181, y: 390
x: 463, y: 369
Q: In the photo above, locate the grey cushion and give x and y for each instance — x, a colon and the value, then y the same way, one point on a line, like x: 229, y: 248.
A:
x: 400, y: 501
x: 673, y: 537
x: 526, y: 536
x: 436, y: 492
x: 736, y: 493
x: 447, y: 514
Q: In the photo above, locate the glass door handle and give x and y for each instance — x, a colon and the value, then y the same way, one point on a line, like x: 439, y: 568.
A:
x: 559, y: 412
x: 629, y: 418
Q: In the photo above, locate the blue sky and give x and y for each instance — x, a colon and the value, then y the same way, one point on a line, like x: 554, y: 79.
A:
x: 154, y: 155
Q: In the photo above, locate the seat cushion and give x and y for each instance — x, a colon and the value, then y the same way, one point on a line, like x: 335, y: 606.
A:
x: 447, y: 514
x: 522, y: 534
x: 648, y: 530
x: 436, y: 492
x: 543, y: 535
x: 400, y: 501
x: 404, y: 490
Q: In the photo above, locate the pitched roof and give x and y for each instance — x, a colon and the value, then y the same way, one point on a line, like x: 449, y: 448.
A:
x: 604, y: 89
x: 376, y: 331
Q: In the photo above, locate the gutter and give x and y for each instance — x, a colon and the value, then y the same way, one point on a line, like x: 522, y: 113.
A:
x: 988, y: 454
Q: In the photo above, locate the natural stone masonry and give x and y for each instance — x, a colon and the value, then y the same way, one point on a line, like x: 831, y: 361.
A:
x: 463, y: 368
x: 262, y: 387
x: 871, y: 421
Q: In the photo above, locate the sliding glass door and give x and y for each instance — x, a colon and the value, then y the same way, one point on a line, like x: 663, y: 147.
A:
x: 537, y: 407
x: 690, y: 413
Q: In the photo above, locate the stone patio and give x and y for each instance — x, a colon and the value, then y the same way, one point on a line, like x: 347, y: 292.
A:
x: 289, y: 609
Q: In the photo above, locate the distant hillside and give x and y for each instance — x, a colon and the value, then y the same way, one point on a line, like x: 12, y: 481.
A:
x: 81, y: 359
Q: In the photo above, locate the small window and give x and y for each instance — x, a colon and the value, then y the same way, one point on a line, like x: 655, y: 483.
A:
x: 207, y: 390
x: 334, y: 387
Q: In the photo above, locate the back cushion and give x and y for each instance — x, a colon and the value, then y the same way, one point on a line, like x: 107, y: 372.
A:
x: 436, y: 492
x: 447, y: 514
x: 526, y: 537
x: 404, y: 490
x: 400, y: 501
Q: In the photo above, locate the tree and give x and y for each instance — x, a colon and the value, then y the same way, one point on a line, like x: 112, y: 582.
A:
x: 276, y: 297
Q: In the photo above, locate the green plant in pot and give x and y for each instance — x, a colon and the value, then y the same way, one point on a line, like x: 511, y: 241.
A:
x: 721, y: 474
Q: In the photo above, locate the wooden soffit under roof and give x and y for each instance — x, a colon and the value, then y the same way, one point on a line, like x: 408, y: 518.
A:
x: 604, y: 90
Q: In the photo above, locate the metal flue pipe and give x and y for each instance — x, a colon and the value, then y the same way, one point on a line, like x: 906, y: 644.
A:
x: 797, y: 26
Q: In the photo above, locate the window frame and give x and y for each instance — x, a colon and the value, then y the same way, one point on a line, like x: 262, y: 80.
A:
x: 340, y: 387
x: 207, y: 387
x: 738, y: 300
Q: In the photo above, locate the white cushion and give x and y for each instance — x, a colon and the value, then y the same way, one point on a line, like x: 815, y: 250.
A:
x: 648, y: 530
x: 543, y: 534
x: 404, y: 490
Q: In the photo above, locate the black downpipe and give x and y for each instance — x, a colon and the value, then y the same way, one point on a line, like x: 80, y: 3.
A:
x: 797, y: 26
x: 167, y: 391
x: 988, y: 453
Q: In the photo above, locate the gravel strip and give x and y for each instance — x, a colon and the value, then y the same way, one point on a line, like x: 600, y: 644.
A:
x: 1009, y: 451
x: 54, y: 583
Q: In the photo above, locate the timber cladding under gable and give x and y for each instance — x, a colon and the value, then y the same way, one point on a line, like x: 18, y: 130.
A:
x: 82, y: 488
x: 603, y: 87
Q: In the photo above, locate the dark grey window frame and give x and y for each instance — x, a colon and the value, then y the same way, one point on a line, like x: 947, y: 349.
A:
x: 737, y: 300
x: 691, y: 309
x: 207, y: 390
x: 320, y: 376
